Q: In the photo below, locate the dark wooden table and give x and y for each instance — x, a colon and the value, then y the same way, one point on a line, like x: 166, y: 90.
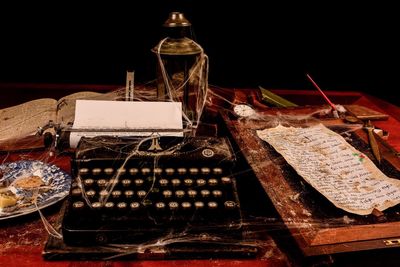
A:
x: 22, y: 239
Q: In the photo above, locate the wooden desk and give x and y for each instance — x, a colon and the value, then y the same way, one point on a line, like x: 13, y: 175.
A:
x: 22, y: 239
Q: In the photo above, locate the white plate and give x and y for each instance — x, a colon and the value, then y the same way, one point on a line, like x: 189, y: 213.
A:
x: 56, y: 180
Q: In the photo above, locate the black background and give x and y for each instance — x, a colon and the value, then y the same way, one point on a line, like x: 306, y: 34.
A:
x: 249, y: 43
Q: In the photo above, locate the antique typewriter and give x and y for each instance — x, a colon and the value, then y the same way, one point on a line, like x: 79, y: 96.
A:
x: 134, y: 190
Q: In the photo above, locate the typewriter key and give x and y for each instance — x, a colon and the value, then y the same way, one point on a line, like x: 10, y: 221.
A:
x: 116, y: 194
x: 133, y: 171
x: 167, y: 193
x: 212, y: 205
x: 88, y: 182
x: 180, y: 193
x: 230, y: 204
x: 74, y: 184
x: 217, y: 171
x: 135, y: 205
x: 186, y: 205
x: 188, y: 182
x: 163, y: 182
x: 173, y: 205
x: 217, y: 193
x: 200, y: 182
x: 205, y: 170
x: 121, y: 171
x: 126, y: 182
x: 129, y: 193
x: 157, y: 171
x: 103, y: 193
x: 193, y: 171
x: 175, y: 182
x: 139, y: 182
x: 108, y: 171
x: 205, y: 193
x: 90, y: 193
x: 181, y: 171
x: 160, y: 205
x: 78, y: 205
x: 122, y: 206
x: 226, y: 180
x: 83, y: 171
x: 113, y: 181
x: 96, y: 171
x: 141, y: 193
x: 145, y: 171
x: 76, y: 192
x: 169, y: 171
x: 96, y: 205
x: 109, y: 205
x: 102, y: 182
x: 199, y: 204
x: 192, y: 193
x: 212, y: 182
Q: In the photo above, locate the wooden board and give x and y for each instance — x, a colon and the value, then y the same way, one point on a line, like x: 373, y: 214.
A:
x: 315, y: 223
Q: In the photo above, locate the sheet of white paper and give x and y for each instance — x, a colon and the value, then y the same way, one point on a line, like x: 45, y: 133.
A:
x: 344, y: 175
x: 112, y: 115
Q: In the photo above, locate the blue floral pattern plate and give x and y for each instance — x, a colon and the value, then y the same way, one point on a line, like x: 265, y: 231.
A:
x: 54, y: 186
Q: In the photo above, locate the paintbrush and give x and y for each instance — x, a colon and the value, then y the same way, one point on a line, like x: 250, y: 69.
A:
x: 334, y: 109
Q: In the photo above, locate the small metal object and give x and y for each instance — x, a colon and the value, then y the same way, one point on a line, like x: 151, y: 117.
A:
x: 199, y: 204
x: 180, y: 193
x: 173, y: 205
x: 128, y: 193
x: 186, y: 205
x: 169, y: 171
x: 193, y: 171
x: 188, y: 182
x: 182, y: 171
x: 126, y: 182
x: 78, y: 205
x: 96, y: 171
x: 135, y: 205
x: 212, y: 205
x: 192, y: 193
x: 372, y: 141
x: 217, y: 171
x: 200, y: 182
x: 108, y: 171
x: 167, y: 193
x: 116, y: 194
x: 205, y: 170
x: 160, y: 205
x: 226, y: 180
x: 163, y: 182
x: 91, y: 193
x: 83, y: 171
x: 101, y: 182
x: 212, y: 182
x: 175, y: 182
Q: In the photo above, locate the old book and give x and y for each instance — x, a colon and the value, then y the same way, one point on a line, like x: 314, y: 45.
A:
x: 22, y: 121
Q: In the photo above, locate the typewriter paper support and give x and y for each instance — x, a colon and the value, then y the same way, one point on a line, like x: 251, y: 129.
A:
x: 126, y: 118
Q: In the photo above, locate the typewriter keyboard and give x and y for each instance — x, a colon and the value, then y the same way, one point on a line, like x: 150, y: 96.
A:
x: 110, y: 204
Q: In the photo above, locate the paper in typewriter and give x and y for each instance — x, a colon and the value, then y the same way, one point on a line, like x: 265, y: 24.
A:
x: 344, y: 175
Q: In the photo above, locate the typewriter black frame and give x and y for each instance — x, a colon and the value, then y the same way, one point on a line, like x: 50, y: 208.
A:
x: 195, y: 247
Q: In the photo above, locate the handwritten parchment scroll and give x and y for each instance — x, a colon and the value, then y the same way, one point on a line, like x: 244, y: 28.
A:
x: 344, y: 175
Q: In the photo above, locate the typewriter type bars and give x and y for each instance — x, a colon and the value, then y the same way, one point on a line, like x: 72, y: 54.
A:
x: 189, y: 191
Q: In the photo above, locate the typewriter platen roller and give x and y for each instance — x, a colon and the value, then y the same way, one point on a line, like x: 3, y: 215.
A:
x: 132, y: 191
